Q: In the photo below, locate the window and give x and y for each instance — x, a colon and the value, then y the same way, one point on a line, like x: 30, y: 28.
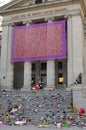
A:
x: 33, y: 66
x: 38, y: 1
x: 19, y: 24
x: 60, y: 65
x: 33, y: 80
x: 43, y: 66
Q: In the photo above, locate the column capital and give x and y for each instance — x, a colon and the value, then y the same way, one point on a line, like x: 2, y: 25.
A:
x: 72, y: 13
x: 49, y: 19
x: 67, y: 16
x: 27, y: 22
x: 11, y: 24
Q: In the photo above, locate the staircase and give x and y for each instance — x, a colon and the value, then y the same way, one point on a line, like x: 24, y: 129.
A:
x: 38, y: 106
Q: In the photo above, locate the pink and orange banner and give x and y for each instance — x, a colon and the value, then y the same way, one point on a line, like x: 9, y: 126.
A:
x: 39, y: 42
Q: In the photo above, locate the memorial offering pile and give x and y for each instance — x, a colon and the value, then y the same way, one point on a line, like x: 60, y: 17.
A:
x: 42, y: 108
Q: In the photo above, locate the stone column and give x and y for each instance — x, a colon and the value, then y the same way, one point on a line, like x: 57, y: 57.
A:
x: 5, y: 58
x: 77, y: 36
x: 69, y: 50
x: 84, y: 50
x: 10, y: 65
x: 27, y: 70
x: 27, y: 75
x: 50, y: 74
x: 37, y: 78
x: 50, y: 70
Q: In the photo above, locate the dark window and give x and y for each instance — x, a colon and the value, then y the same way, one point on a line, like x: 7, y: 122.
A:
x: 60, y: 65
x: 38, y: 1
x: 33, y: 80
x: 43, y: 66
x: 19, y: 24
x: 33, y: 66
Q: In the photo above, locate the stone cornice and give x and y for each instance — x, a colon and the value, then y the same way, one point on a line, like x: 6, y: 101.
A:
x: 51, y: 17
x: 30, y: 7
x: 8, y: 24
x: 36, y: 7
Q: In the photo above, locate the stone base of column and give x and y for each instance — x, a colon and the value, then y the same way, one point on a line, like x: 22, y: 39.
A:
x: 7, y: 88
x: 25, y: 88
x: 49, y: 87
x: 79, y: 96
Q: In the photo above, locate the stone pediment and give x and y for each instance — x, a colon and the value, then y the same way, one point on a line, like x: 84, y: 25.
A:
x: 16, y: 4
x: 20, y: 5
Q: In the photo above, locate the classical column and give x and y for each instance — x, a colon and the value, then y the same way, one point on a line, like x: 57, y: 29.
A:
x: 50, y: 70
x: 69, y: 50
x: 27, y: 70
x: 84, y: 50
x: 6, y: 64
x: 27, y: 75
x: 77, y: 37
x: 37, y: 76
x: 50, y: 73
x: 10, y: 65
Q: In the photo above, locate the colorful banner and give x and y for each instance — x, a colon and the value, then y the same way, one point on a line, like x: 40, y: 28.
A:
x: 39, y: 42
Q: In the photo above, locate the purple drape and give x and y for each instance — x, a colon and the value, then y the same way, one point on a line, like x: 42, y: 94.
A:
x: 39, y: 42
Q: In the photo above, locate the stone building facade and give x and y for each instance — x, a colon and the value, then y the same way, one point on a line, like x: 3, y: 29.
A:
x: 55, y: 72
x: 0, y: 31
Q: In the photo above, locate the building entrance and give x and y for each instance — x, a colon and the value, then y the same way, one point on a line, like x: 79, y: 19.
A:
x: 39, y: 74
x: 18, y: 77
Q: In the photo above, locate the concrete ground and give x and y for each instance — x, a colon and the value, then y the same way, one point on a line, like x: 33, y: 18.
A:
x: 36, y: 128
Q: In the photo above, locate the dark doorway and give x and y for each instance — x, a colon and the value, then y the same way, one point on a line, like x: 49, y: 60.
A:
x: 18, y: 75
x: 38, y: 1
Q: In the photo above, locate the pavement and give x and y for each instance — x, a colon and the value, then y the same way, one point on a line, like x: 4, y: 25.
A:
x: 36, y: 128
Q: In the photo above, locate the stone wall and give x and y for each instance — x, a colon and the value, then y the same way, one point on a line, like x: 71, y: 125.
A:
x: 79, y: 96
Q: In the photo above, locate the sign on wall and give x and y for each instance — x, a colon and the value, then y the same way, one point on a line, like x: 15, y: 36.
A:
x: 39, y: 42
